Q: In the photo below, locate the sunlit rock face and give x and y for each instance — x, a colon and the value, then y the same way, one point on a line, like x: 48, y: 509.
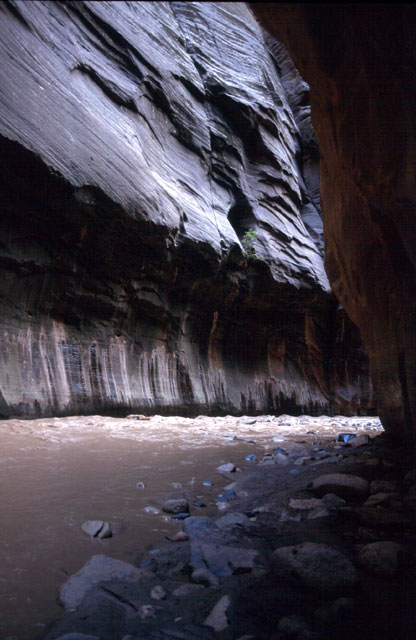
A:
x: 360, y: 62
x: 139, y: 143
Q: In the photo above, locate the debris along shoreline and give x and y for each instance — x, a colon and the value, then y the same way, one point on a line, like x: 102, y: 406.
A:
x: 308, y: 542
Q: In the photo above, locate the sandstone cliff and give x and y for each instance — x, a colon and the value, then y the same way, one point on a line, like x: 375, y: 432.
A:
x: 360, y: 62
x: 139, y: 142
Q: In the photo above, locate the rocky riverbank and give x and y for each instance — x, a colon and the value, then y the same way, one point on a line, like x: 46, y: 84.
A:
x: 312, y: 538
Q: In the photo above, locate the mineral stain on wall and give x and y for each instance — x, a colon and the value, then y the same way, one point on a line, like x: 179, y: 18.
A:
x: 139, y: 142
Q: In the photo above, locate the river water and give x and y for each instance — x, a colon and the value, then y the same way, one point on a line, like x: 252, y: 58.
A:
x: 57, y: 473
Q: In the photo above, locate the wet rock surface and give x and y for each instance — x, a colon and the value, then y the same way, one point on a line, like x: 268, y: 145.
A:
x: 139, y: 142
x: 368, y: 203
x: 230, y: 575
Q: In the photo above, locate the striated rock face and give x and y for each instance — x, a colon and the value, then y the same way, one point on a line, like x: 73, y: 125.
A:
x: 360, y: 62
x: 139, y: 142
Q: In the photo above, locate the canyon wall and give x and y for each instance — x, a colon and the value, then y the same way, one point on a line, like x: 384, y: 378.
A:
x: 360, y: 62
x: 139, y: 142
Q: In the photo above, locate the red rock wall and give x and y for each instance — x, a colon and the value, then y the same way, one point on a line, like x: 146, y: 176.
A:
x: 360, y: 62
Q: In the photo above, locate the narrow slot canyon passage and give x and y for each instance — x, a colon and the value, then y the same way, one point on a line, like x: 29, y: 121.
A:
x: 207, y: 209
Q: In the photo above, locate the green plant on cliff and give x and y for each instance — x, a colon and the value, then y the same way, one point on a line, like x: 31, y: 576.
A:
x: 247, y: 242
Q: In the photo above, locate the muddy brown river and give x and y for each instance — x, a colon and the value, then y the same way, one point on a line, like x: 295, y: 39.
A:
x: 57, y: 473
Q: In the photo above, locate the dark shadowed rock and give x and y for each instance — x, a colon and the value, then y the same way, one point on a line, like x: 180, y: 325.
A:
x: 314, y: 566
x: 368, y: 185
x: 381, y: 558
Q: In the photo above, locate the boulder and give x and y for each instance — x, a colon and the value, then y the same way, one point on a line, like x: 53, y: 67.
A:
x: 315, y: 567
x: 342, y: 484
x: 99, y: 569
x: 381, y: 558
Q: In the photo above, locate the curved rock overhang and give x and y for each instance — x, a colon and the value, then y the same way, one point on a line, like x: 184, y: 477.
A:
x: 139, y: 142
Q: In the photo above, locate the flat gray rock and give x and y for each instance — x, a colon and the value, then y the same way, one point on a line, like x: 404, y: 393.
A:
x: 217, y: 619
x: 232, y: 520
x: 314, y: 566
x: 186, y: 590
x: 199, y: 526
x: 99, y: 569
x: 228, y: 467
x: 97, y: 529
x: 222, y: 560
x: 204, y: 577
x: 342, y: 484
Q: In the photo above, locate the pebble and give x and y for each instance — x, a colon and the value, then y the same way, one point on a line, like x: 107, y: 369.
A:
x: 251, y: 457
x: 158, y: 593
x: 319, y: 512
x: 176, y: 505
x: 97, y: 529
x: 292, y: 625
x: 294, y: 472
x: 382, y: 499
x: 146, y: 611
x: 180, y: 536
x: 331, y: 501
x: 247, y: 421
x: 198, y: 504
x: 360, y: 441
x: 152, y: 510
x: 204, y: 577
x: 224, y: 497
x: 180, y: 516
x: 281, y: 459
x: 207, y: 483
x: 228, y: 467
x: 176, y: 485
x: 186, y: 590
x: 140, y: 485
x: 383, y: 486
x: 288, y: 516
x: 217, y: 619
x: 346, y: 437
x: 333, y: 612
x: 380, y: 558
x: 307, y: 503
x: 232, y: 519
